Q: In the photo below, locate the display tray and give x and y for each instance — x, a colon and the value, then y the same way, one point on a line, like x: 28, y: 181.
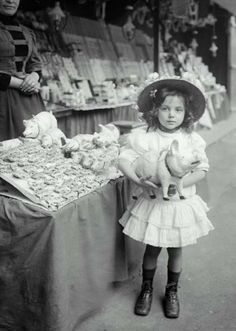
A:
x: 45, y: 176
x: 11, y: 188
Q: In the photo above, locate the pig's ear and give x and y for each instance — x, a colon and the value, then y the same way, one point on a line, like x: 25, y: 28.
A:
x: 25, y: 122
x: 102, y: 127
x: 174, y: 147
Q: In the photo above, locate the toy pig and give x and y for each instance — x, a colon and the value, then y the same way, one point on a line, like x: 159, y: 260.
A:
x: 109, y: 134
x: 39, y: 124
x: 167, y: 168
x: 79, y: 142
x: 53, y: 137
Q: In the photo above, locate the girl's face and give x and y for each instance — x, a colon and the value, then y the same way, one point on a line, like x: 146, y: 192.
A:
x: 9, y: 7
x: 171, y: 113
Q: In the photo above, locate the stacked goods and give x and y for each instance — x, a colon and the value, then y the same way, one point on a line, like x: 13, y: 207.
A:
x: 215, y: 93
x: 94, y: 56
x: 109, y: 63
x: 105, y: 93
x: 89, y: 51
x: 124, y: 50
x: 62, y: 78
x: 100, y: 51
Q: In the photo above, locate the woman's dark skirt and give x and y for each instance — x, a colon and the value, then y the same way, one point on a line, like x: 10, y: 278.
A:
x: 14, y: 108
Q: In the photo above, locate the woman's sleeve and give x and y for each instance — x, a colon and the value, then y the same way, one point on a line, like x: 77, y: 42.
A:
x: 34, y: 63
x: 135, y: 146
x: 4, y: 81
x: 199, y: 145
x: 39, y: 72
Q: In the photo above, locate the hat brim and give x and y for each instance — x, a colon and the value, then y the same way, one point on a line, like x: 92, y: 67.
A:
x: 197, y: 99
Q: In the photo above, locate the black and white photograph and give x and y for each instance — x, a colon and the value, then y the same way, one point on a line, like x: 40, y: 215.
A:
x: 117, y: 165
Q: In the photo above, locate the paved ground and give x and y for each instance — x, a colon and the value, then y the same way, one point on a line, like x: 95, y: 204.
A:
x: 208, y: 282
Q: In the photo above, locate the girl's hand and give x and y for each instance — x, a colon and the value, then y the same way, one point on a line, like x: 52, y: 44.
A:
x: 30, y: 84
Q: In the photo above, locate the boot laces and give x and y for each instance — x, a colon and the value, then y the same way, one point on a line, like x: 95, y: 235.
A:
x: 172, y: 296
x: 171, y: 292
x: 146, y: 291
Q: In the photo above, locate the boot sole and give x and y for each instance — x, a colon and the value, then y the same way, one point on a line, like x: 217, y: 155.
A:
x: 174, y: 316
x: 141, y: 314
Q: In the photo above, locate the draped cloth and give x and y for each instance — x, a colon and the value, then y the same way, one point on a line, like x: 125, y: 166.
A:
x: 56, y: 268
x: 14, y: 108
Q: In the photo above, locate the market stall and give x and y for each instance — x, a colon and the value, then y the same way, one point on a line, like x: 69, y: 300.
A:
x: 87, y: 119
x: 93, y: 68
x: 90, y: 71
x: 56, y: 267
x: 61, y: 244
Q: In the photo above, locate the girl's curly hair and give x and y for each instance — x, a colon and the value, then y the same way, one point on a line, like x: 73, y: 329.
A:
x: 158, y: 96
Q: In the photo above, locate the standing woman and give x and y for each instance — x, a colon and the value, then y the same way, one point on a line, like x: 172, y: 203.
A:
x: 20, y: 72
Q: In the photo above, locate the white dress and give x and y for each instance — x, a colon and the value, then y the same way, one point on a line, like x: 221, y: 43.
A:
x: 173, y: 223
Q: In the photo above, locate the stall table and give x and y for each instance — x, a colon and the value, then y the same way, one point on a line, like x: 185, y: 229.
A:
x: 73, y: 121
x: 55, y: 267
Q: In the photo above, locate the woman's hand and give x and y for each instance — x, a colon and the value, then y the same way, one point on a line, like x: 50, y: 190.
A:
x: 30, y: 84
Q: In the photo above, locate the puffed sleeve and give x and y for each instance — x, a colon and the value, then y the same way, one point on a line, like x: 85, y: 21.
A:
x: 199, y: 145
x: 136, y: 145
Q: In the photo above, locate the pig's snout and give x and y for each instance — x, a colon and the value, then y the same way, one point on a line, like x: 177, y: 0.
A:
x: 27, y: 132
x: 31, y: 131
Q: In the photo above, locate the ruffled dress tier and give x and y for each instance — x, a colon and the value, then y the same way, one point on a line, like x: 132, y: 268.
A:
x: 173, y: 223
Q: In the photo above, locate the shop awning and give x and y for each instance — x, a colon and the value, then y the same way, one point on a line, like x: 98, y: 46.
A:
x: 229, y: 5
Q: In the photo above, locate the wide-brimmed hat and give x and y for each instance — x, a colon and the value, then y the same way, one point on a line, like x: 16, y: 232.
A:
x: 196, y: 95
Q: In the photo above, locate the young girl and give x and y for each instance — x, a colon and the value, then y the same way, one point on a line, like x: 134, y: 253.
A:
x: 170, y: 107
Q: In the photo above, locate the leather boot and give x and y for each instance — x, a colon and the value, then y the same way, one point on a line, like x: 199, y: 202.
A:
x: 144, y: 301
x: 171, y: 301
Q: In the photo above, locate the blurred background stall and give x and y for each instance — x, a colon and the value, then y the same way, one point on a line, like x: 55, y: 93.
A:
x: 97, y: 54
